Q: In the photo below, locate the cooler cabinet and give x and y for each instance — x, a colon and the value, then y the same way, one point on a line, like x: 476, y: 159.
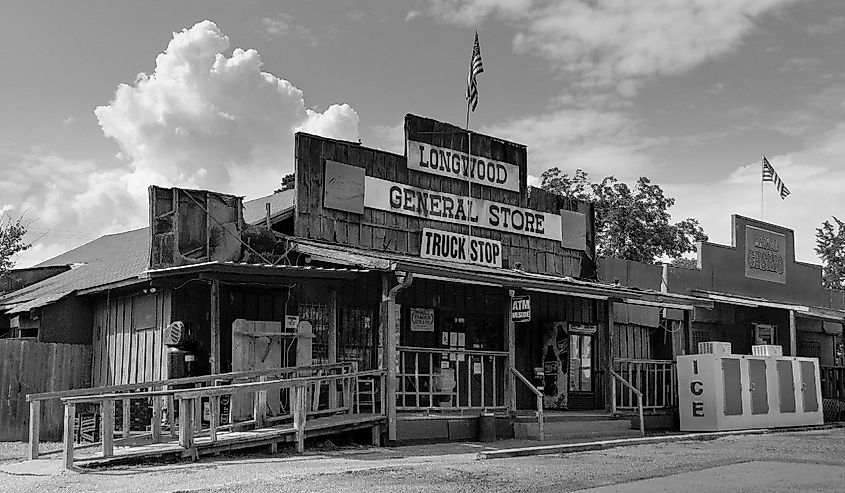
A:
x: 734, y: 392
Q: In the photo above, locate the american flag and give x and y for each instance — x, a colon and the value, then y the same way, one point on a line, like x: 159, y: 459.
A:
x: 475, y: 68
x: 769, y: 174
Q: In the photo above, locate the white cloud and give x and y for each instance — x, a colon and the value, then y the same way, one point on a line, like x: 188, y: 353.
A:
x: 201, y: 119
x: 616, y: 43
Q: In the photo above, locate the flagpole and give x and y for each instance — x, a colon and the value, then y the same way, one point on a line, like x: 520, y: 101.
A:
x: 761, y: 189
x: 469, y: 182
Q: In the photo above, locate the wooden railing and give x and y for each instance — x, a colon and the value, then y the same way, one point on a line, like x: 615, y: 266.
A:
x: 539, y: 395
x: 656, y: 380
x: 163, y: 407
x: 833, y: 382
x: 301, y: 391
x: 637, y: 393
x: 478, y: 379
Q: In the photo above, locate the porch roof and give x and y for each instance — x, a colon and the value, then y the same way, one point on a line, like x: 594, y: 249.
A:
x: 254, y: 270
x: 506, y: 278
x: 819, y: 312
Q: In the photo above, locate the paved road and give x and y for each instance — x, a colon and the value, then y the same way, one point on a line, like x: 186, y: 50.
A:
x: 778, y: 462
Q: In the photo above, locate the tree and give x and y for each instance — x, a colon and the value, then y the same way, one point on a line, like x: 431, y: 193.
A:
x: 830, y: 247
x: 288, y: 183
x: 12, y: 232
x: 630, y: 224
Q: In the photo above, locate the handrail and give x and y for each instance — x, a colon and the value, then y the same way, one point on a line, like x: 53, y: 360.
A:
x: 282, y: 383
x: 182, y: 381
x: 539, y: 395
x: 636, y: 392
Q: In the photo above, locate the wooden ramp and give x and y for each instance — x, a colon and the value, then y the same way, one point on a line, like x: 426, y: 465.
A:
x: 232, y: 440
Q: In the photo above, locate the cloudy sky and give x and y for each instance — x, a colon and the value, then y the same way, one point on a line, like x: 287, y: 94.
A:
x: 100, y: 98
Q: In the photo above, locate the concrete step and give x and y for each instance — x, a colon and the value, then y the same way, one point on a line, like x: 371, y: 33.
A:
x: 596, y: 428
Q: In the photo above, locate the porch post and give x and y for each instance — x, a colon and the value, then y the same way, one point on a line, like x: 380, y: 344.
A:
x: 610, y: 398
x: 214, y: 319
x: 390, y: 320
x: 793, y: 334
x: 510, y: 337
x: 333, y: 345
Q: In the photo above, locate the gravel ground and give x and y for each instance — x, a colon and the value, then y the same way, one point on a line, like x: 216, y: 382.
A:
x: 362, y: 469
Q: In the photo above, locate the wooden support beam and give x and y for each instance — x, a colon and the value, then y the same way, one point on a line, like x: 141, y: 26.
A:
x: 171, y: 415
x: 214, y: 323
x: 332, y: 343
x: 126, y: 419
x: 214, y: 403
x: 34, y: 428
x: 107, y: 411
x: 300, y: 394
x: 510, y: 337
x: 610, y: 398
x: 70, y: 421
x: 259, y: 402
x: 186, y: 425
x: 156, y: 419
x: 198, y: 414
x: 793, y: 334
x: 376, y: 436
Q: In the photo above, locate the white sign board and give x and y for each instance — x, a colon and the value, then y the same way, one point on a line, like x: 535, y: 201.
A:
x: 442, y: 161
x: 395, y: 197
x: 521, y: 309
x: 455, y: 247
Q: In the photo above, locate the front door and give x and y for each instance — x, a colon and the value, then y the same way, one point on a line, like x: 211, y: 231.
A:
x: 581, y: 362
x: 568, y: 364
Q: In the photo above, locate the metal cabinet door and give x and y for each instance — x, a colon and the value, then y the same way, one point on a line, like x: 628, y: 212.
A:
x: 759, y: 386
x: 786, y: 386
x: 808, y: 387
x: 733, y: 386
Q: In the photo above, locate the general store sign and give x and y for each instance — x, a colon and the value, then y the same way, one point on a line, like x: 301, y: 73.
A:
x: 465, y: 249
x: 765, y: 255
x: 442, y: 161
x: 439, y: 206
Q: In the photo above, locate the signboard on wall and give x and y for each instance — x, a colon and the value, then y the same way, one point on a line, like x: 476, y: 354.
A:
x: 521, y: 309
x: 446, y: 207
x: 465, y: 249
x: 422, y: 320
x: 451, y: 163
x: 765, y: 255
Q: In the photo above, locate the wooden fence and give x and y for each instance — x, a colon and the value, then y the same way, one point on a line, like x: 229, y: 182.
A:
x: 28, y: 367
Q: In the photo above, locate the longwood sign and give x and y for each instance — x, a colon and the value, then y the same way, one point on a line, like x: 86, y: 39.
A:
x: 456, y: 164
x: 440, y: 206
x: 454, y: 247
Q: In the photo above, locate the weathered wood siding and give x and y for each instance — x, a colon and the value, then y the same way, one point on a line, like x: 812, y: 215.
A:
x: 380, y: 230
x: 28, y: 367
x: 128, y: 338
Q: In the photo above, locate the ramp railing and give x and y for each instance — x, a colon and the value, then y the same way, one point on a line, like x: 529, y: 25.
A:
x: 157, y: 398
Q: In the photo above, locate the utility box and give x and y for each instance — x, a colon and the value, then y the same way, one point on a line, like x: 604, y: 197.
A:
x: 714, y: 347
x: 767, y: 350
x: 734, y: 392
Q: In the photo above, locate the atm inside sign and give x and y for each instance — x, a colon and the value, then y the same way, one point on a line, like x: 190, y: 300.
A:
x: 521, y: 309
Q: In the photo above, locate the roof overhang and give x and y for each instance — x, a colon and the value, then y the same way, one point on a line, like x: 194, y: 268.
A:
x: 489, y: 276
x: 806, y: 311
x: 245, y: 271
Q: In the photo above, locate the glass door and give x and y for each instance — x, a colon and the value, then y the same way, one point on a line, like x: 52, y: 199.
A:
x: 581, y: 363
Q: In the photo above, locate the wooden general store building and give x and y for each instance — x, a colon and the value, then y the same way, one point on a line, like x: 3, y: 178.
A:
x: 469, y: 290
x: 409, y: 264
